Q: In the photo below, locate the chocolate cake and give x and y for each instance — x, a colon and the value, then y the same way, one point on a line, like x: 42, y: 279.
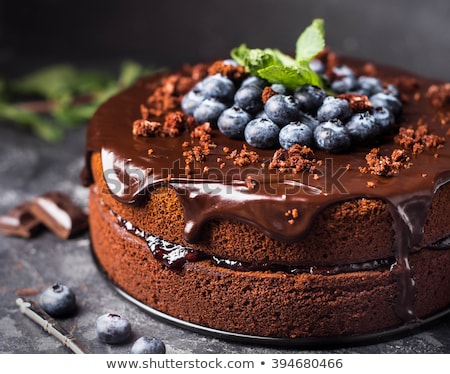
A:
x: 270, y: 242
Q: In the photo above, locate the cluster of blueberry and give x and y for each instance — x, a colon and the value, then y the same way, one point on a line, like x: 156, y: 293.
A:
x: 308, y: 116
x: 59, y: 300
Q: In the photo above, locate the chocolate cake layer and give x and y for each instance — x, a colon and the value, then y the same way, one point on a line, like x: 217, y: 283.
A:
x: 265, y: 303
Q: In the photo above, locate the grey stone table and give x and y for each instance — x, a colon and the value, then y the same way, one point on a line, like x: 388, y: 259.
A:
x: 29, y: 167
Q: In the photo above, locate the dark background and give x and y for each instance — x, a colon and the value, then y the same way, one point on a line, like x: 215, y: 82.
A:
x: 414, y: 34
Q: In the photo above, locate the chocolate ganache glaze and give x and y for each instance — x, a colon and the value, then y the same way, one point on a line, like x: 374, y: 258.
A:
x: 261, y: 196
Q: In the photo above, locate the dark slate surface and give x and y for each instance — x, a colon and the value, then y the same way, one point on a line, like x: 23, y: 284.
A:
x: 29, y: 167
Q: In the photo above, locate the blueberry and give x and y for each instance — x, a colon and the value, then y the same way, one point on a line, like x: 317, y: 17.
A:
x: 232, y: 122
x: 295, y: 133
x: 317, y: 66
x: 332, y: 136
x: 281, y: 109
x: 112, y: 328
x: 369, y: 85
x: 261, y: 133
x: 388, y: 101
x: 253, y: 79
x: 342, y: 71
x: 146, y: 345
x: 218, y: 87
x: 334, y: 108
x: 384, y: 119
x: 58, y: 301
x: 191, y: 101
x: 392, y: 90
x: 209, y: 111
x: 308, y: 120
x: 261, y: 114
x: 309, y: 98
x: 363, y: 128
x: 249, y: 98
x: 344, y: 81
x: 279, y: 88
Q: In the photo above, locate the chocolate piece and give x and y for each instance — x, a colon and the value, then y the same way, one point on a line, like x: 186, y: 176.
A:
x: 19, y: 221
x: 59, y: 214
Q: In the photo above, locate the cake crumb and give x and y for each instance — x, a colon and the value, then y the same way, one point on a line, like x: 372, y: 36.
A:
x: 439, y: 95
x: 386, y: 166
x: 297, y: 158
x: 370, y: 184
x: 143, y: 127
x: 236, y: 73
x: 267, y: 93
x: 243, y: 157
x: 292, y: 214
x: 418, y: 139
x: 176, y: 122
x: 358, y: 103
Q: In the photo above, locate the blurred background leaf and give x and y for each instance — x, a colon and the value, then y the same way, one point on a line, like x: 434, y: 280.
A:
x: 59, y: 97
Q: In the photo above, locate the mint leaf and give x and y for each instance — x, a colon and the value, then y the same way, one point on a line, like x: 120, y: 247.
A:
x: 290, y: 76
x: 278, y: 67
x: 311, y: 41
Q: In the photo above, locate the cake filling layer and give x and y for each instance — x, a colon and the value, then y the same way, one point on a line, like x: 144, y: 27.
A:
x: 175, y: 256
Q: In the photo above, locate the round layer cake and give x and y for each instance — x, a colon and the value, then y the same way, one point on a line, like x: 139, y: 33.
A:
x: 271, y: 242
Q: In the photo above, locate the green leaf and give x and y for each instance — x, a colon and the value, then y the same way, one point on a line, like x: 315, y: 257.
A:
x: 50, y: 82
x: 278, y: 67
x: 239, y: 54
x: 283, y: 58
x: 290, y: 76
x: 130, y: 72
x: 43, y: 127
x: 311, y: 41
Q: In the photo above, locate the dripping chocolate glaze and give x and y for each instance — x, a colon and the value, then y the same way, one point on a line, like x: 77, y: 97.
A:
x: 223, y: 192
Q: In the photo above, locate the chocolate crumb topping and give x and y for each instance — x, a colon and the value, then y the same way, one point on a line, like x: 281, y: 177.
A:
x: 177, y: 121
x: 235, y: 73
x: 358, y: 103
x: 243, y: 157
x: 143, y: 127
x: 418, y: 139
x: 386, y: 166
x: 267, y: 93
x: 439, y: 95
x: 297, y: 158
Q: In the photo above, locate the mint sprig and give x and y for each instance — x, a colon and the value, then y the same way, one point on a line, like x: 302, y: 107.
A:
x: 53, y: 99
x: 277, y: 67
